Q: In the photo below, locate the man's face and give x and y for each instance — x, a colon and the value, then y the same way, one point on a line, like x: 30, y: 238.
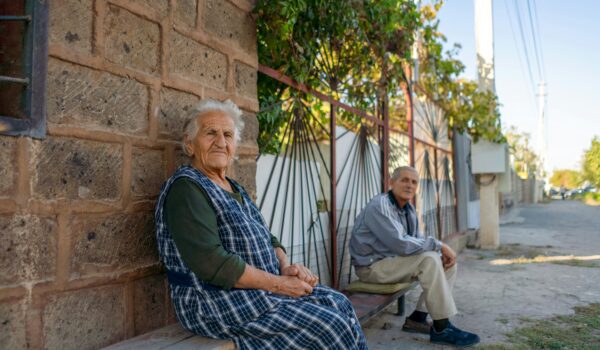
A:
x: 405, y: 186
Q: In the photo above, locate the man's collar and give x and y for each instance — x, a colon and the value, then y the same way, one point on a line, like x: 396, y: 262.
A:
x: 395, y: 202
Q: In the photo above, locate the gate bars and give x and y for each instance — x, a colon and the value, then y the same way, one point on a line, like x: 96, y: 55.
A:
x: 327, y: 169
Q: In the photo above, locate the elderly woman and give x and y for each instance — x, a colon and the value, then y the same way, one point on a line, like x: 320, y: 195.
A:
x: 229, y: 276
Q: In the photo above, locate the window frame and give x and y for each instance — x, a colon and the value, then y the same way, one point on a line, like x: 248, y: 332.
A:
x: 35, y: 61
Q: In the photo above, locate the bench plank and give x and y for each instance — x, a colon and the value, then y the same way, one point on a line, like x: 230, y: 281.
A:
x: 203, y: 343
x: 367, y: 305
x: 172, y: 337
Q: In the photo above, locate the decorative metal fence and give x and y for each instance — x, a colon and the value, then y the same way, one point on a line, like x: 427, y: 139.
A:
x: 325, y: 171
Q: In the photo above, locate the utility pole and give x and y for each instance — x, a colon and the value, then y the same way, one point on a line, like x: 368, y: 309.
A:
x: 484, y: 42
x: 542, y: 146
x: 489, y: 214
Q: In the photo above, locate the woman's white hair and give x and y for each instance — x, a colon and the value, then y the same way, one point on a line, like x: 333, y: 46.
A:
x: 207, y: 105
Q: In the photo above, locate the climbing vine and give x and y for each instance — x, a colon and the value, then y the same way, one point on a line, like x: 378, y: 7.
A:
x: 358, y: 51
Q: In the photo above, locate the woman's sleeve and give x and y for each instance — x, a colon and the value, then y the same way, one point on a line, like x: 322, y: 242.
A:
x: 276, y: 244
x: 192, y: 222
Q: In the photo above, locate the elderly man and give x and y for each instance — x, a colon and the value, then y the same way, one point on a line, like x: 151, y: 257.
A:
x: 387, y: 247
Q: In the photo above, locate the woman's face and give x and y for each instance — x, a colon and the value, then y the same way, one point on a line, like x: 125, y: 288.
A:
x: 214, y: 146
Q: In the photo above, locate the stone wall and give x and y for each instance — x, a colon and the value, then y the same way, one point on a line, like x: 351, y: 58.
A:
x: 79, y: 266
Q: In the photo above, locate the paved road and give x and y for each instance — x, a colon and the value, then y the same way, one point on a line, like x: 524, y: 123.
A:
x: 492, y: 299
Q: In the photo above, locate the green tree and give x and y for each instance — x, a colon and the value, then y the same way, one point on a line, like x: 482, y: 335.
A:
x: 466, y: 107
x: 526, y: 162
x: 591, y: 163
x: 566, y: 178
x: 358, y: 52
x: 338, y: 47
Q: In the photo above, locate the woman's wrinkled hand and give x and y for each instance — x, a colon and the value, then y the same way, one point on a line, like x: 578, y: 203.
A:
x: 301, y: 272
x: 292, y: 286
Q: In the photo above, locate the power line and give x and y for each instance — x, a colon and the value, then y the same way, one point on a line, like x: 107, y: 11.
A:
x: 534, y: 40
x: 537, y: 27
x: 518, y: 14
x: 518, y: 50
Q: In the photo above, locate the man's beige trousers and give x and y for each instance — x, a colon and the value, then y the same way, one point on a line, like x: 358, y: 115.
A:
x: 427, y: 268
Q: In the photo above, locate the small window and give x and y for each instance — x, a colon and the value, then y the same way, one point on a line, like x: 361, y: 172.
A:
x: 23, y: 65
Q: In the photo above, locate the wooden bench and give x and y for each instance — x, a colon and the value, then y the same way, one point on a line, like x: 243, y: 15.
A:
x: 369, y: 299
x: 172, y: 337
x: 365, y: 300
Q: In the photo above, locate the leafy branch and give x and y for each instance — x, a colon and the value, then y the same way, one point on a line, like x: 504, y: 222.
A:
x: 358, y: 51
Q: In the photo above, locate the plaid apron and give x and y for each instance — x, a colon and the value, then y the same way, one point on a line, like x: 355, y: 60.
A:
x: 252, y: 318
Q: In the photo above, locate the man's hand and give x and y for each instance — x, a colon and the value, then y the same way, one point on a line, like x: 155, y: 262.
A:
x: 301, y: 272
x: 448, y: 256
x: 291, y: 286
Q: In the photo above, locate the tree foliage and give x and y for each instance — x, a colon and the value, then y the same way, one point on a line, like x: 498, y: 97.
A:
x: 468, y: 109
x: 358, y: 51
x: 591, y: 163
x: 566, y: 178
x: 526, y: 162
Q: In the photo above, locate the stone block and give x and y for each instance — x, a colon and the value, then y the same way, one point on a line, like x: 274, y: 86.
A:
x: 171, y: 316
x: 84, y: 319
x: 181, y: 158
x: 131, y: 41
x: 109, y: 243
x: 8, y: 166
x: 27, y: 248
x: 150, y: 308
x: 185, y: 12
x: 175, y: 107
x: 12, y: 325
x: 71, y: 24
x: 245, y: 80
x: 197, y: 63
x: 76, y: 169
x: 250, y: 133
x: 92, y: 99
x: 160, y: 6
x: 244, y: 172
x: 225, y: 21
x: 148, y: 172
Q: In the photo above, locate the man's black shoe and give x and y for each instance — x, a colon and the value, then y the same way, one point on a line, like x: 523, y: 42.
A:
x: 453, y: 336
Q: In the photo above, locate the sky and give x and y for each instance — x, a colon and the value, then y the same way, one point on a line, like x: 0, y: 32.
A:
x: 569, y: 37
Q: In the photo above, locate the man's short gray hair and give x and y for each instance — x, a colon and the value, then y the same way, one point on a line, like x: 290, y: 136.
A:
x: 400, y: 169
x: 208, y: 105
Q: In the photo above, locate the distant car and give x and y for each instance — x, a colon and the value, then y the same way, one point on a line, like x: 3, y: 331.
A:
x: 589, y: 188
x: 554, y: 193
x: 574, y: 192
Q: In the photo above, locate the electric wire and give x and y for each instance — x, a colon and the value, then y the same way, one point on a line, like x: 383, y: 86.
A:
x: 518, y: 50
x: 534, y: 40
x: 537, y: 27
x: 521, y: 31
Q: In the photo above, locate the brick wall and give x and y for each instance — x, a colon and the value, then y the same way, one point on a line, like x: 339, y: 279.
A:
x: 79, y: 266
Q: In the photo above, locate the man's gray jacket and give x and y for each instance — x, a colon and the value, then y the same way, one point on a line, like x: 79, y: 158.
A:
x: 383, y: 229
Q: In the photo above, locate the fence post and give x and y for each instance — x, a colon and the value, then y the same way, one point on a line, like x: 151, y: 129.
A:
x: 385, y: 171
x: 408, y: 92
x: 385, y: 164
x: 437, y: 193
x: 333, y: 199
x: 454, y: 188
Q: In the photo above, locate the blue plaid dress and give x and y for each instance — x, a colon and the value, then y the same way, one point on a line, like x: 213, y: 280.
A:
x: 252, y: 318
